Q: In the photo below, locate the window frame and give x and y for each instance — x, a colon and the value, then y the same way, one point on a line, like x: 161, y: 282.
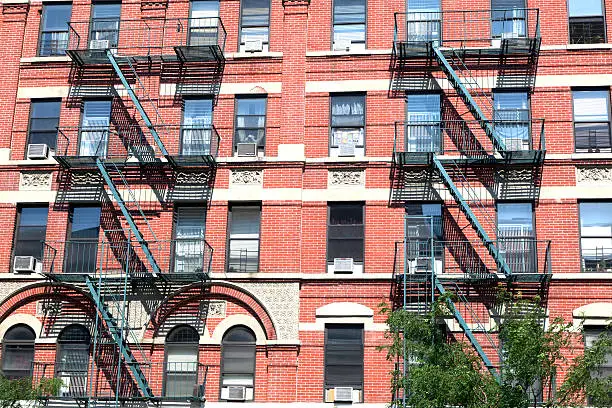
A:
x: 237, y: 100
x: 327, y: 385
x: 529, y: 119
x: 439, y: 252
x: 18, y: 343
x: 61, y: 348
x: 196, y: 98
x: 92, y: 19
x: 32, y: 102
x: 331, y: 117
x: 229, y: 233
x: 166, y: 342
x: 607, y: 90
x: 222, y: 355
x: 363, y: 239
x: 603, y: 18
x: 439, y: 124
x: 18, y: 225
x: 69, y: 238
x: 525, y: 19
x: 365, y: 27
x: 41, y: 30
x: 533, y: 215
x: 580, y: 237
x: 240, y: 26
x: 175, y: 240
x: 107, y: 130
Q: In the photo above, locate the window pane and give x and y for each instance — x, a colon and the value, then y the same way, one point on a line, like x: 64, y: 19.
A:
x: 251, y: 106
x: 85, y: 223
x: 515, y: 220
x: 44, y: 119
x: 56, y: 17
x: 245, y: 222
x: 198, y: 113
x: 348, y: 111
x: 349, y: 11
x: 255, y: 12
x: 344, y: 356
x: 591, y: 106
x: 580, y: 8
x: 596, y: 219
x: 31, y: 231
x: 190, y: 223
x: 423, y: 5
x: 423, y: 108
x: 345, y: 214
x: 106, y: 10
x: 204, y: 9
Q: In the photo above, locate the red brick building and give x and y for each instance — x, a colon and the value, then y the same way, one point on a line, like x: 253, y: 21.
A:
x: 211, y: 198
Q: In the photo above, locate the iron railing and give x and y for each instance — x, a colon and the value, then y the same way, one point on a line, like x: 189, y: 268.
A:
x: 182, y: 256
x: 466, y: 28
x: 148, y: 36
x: 175, y: 380
x: 466, y: 137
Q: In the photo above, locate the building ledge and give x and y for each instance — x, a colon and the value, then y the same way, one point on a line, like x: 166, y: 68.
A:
x: 241, y: 55
x: 35, y: 60
x: 329, y: 53
x: 576, y: 47
x: 592, y: 156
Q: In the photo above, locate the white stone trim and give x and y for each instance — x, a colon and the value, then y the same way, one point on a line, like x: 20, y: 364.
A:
x: 287, y: 405
x: 351, y: 53
x: 344, y: 309
x: 230, y: 88
x: 44, y: 59
x: 21, y: 318
x: 35, y: 92
x: 238, y: 320
x: 319, y: 325
x: 241, y: 55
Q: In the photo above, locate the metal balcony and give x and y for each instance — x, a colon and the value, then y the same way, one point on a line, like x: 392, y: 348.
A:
x: 168, y: 40
x: 478, y: 32
x: 183, y: 259
x: 187, y: 146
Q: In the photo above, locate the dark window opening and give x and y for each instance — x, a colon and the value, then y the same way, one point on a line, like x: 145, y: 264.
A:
x: 18, y: 352
x: 181, y: 371
x: 250, y: 127
x: 586, y: 22
x: 238, y: 362
x: 73, y: 360
x: 344, y: 356
x: 82, y: 246
x: 31, y: 231
x: 44, y: 120
x: 345, y: 232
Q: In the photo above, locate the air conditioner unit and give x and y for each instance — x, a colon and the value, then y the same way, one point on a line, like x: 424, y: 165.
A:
x: 253, y: 45
x: 343, y: 265
x: 38, y: 151
x: 27, y: 264
x: 246, y: 149
x: 99, y: 44
x: 343, y: 394
x: 236, y: 393
x: 342, y: 45
x: 346, y: 150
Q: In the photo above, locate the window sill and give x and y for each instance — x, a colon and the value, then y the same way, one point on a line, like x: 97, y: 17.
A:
x: 577, y: 47
x: 246, y: 55
x: 34, y: 60
x: 330, y: 53
x: 591, y: 156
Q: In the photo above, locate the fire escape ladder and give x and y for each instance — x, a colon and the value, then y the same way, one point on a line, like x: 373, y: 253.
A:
x: 136, y: 100
x: 471, y: 217
x: 106, y: 168
x: 117, y: 334
x: 468, y: 331
x: 460, y: 79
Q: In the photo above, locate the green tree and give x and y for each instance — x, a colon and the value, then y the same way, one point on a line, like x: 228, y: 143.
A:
x: 22, y: 389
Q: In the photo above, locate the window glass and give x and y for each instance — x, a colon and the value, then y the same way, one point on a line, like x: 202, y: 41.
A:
x: 508, y: 18
x: 350, y: 22
x: 95, y: 124
x: 511, y: 119
x: 54, y: 30
x: 255, y: 22
x: 196, y: 132
x: 73, y: 360
x: 515, y: 219
x: 238, y: 361
x: 586, y: 22
x: 82, y: 247
x: 344, y: 356
x: 44, y: 120
x: 423, y: 132
x: 591, y: 106
x: 182, y: 344
x: 18, y: 351
x: 592, y: 120
x: 596, y: 236
x: 31, y: 231
x: 189, y: 231
x: 348, y: 124
x: 591, y: 334
x: 582, y: 8
x: 105, y: 24
x: 251, y: 121
x: 203, y: 22
x: 345, y: 232
x: 423, y: 5
x: 244, y: 239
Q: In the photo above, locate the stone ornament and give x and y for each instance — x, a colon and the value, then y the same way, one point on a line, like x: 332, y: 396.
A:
x: 246, y: 177
x: 346, y: 178
x: 600, y: 174
x: 38, y: 181
x: 216, y: 308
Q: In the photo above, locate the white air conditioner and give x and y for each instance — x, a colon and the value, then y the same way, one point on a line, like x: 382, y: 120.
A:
x: 99, y: 44
x: 253, y: 45
x: 342, y: 45
x: 343, y: 265
x: 346, y: 150
x: 38, y: 151
x: 236, y: 393
x: 246, y: 149
x: 27, y: 264
x: 343, y: 394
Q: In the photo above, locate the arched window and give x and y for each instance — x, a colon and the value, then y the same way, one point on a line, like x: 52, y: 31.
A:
x: 181, y: 373
x: 238, y: 364
x: 73, y: 360
x: 18, y: 351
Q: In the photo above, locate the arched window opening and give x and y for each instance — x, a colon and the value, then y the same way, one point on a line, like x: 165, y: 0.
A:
x: 73, y: 360
x: 18, y: 351
x: 238, y: 364
x: 181, y: 371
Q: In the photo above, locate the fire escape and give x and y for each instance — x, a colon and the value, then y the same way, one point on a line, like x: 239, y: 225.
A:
x: 471, y: 155
x: 125, y: 159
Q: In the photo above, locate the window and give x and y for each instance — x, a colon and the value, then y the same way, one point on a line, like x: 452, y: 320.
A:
x: 44, y: 120
x: 104, y: 28
x: 512, y: 119
x: 250, y: 122
x: 345, y: 234
x: 516, y: 236
x: 508, y: 18
x: 204, y: 23
x: 592, y: 120
x: 586, y: 22
x: 54, y: 29
x: 343, y: 356
x: 95, y: 123
x: 423, y: 21
x: 181, y: 373
x: 423, y: 125
x: 18, y: 351
x: 349, y: 24
x: 596, y: 236
x: 189, y: 231
x: 255, y: 24
x: 347, y: 126
x: 82, y: 246
x: 238, y: 361
x: 423, y: 220
x: 196, y: 132
x: 243, y: 246
x: 591, y: 334
x: 31, y: 231
x: 73, y: 360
